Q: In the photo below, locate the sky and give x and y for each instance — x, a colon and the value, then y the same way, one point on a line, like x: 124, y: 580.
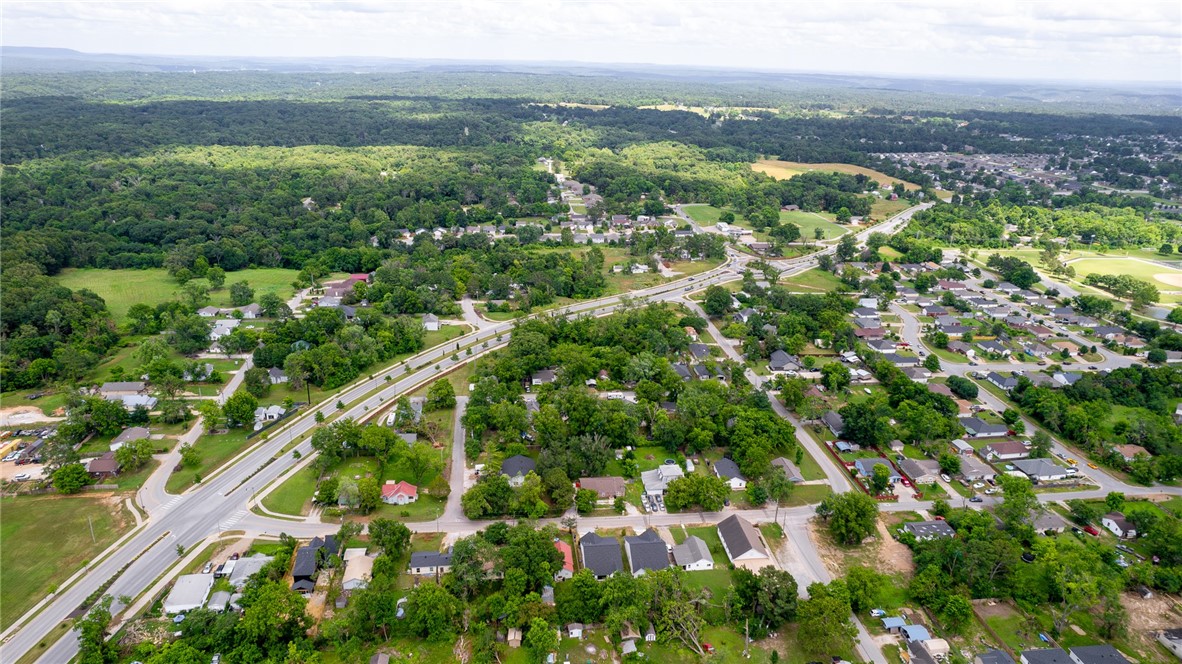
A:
x: 1068, y: 40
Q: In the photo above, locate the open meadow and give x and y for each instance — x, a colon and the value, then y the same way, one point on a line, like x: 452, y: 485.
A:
x: 123, y: 288
x: 783, y: 170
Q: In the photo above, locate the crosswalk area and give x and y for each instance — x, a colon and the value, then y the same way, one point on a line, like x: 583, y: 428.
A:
x: 233, y: 520
x: 176, y: 500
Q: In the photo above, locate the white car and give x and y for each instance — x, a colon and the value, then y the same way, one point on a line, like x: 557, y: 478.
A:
x: 23, y: 477
x: 945, y: 477
x: 978, y: 485
x: 990, y: 492
x: 11, y: 456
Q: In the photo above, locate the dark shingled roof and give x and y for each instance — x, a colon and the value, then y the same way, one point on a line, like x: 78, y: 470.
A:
x: 517, y: 465
x: 647, y: 551
x: 601, y: 555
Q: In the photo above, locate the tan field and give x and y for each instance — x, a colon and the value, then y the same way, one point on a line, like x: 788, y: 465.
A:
x: 787, y: 169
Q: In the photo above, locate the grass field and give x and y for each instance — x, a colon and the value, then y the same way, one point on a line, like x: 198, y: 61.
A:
x: 813, y: 281
x: 123, y: 288
x: 1158, y: 275
x: 215, y: 451
x: 883, y: 209
x: 787, y: 169
x: 35, y: 558
x: 810, y: 221
x: 294, y: 496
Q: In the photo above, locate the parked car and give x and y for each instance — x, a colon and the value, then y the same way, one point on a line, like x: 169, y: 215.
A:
x: 877, y: 613
x: 1091, y: 530
x: 976, y: 499
x: 1093, y: 466
x: 945, y: 477
x: 1028, y: 557
x: 1093, y: 368
x: 978, y: 485
x: 23, y: 477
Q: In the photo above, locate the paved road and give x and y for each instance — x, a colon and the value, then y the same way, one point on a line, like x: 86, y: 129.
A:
x: 221, y: 501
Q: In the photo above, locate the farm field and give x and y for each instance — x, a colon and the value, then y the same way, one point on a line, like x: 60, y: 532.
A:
x: 786, y: 169
x: 35, y: 558
x: 123, y: 288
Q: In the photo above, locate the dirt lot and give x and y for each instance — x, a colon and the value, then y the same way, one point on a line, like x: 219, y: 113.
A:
x: 19, y: 415
x: 1148, y: 616
x: 883, y: 553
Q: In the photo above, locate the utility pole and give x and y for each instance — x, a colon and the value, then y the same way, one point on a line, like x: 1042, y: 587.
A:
x: 91, y: 522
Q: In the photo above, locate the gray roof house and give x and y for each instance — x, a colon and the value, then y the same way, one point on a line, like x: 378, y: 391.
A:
x: 742, y: 543
x: 646, y: 551
x: 782, y: 361
x: 832, y: 419
x: 789, y: 468
x: 693, y: 554
x: 517, y: 467
x: 728, y: 470
x: 601, y: 555
x: 929, y: 530
x: 993, y: 656
x: 1100, y: 654
x: 1040, y: 469
x: 979, y: 428
x: 1045, y: 656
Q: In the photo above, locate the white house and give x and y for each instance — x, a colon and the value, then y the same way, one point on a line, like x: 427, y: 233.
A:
x: 693, y: 555
x: 742, y: 543
x: 430, y: 322
x: 399, y: 493
x: 1119, y: 525
x: 728, y: 470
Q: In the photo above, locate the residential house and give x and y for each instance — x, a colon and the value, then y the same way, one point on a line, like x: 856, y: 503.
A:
x: 993, y: 656
x: 1045, y: 656
x: 646, y: 552
x: 209, y: 312
x: 994, y: 347
x: 574, y: 631
x: 950, y: 286
x: 606, y: 489
x: 188, y: 592
x: 568, y: 560
x: 893, y: 624
x: 930, y: 530
x: 264, y: 414
x: 781, y: 361
x: 788, y: 468
x: 542, y: 377
x: 657, y: 479
x: 975, y: 470
x: 745, y: 315
x: 1130, y: 452
x: 901, y: 360
x: 1099, y: 654
x: 693, y: 555
x: 870, y: 333
x: 728, y: 470
x: 962, y: 447
x: 1006, y: 450
x: 866, y: 468
x: 277, y: 376
x: 358, y: 569
x: 976, y: 427
x: 430, y: 563
x: 516, y: 468
x: 304, y: 568
x: 133, y: 401
x: 1040, y: 470
x: 129, y: 435
x: 1006, y: 383
x: 917, y: 374
x: 701, y: 372
x: 959, y: 347
x: 399, y: 493
x: 601, y: 555
x: 743, y: 544
x: 913, y: 633
x: 682, y: 370
x: 833, y: 420
x: 103, y: 467
x: 114, y: 390
x: 199, y: 373
x: 1119, y: 525
x: 882, y: 345
x: 921, y: 471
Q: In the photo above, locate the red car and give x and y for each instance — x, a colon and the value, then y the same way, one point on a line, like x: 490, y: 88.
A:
x: 1091, y: 530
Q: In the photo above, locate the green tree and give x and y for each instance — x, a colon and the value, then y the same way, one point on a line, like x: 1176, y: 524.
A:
x: 585, y: 500
x: 1018, y: 503
x: 1114, y: 501
x: 931, y: 363
x: 824, y: 622
x: 216, y: 277
x: 835, y: 376
x: 880, y: 478
x: 956, y: 612
x: 865, y: 587
x: 851, y: 516
x: 949, y: 463
x: 369, y: 494
x: 93, y: 646
x: 540, y: 640
x: 257, y: 381
x: 239, y: 409
x: 241, y: 294
x: 70, y: 478
x: 847, y: 247
x: 432, y: 612
x: 441, y: 395
x: 717, y: 302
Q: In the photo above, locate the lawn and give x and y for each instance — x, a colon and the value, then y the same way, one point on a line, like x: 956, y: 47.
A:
x: 783, y: 170
x: 884, y: 208
x: 215, y: 450
x: 35, y: 558
x: 809, y: 221
x: 815, y: 280
x: 123, y: 288
x: 703, y: 214
x: 1166, y: 278
x: 293, y: 496
x: 49, y: 403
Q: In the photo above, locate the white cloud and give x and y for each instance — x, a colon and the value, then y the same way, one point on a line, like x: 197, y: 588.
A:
x: 1061, y: 39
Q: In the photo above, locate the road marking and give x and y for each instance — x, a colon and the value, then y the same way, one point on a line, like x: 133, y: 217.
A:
x: 176, y: 500
x: 233, y: 520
